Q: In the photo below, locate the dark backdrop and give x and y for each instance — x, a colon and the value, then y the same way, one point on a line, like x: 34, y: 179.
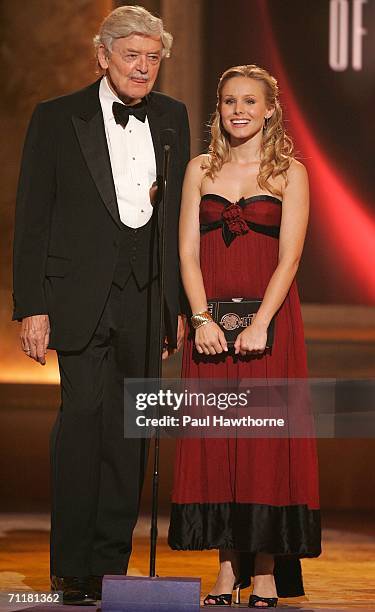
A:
x: 329, y: 114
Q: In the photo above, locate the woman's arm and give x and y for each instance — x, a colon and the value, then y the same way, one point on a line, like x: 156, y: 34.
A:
x: 209, y: 338
x: 295, y: 211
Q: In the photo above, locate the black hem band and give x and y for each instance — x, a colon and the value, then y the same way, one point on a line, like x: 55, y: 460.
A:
x: 287, y: 532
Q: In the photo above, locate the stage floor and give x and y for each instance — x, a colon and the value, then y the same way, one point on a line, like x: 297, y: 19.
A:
x: 341, y: 579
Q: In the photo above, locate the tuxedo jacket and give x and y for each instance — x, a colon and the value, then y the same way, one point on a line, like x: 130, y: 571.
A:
x: 67, y: 231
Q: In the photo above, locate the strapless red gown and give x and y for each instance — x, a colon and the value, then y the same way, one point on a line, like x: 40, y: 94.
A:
x: 249, y: 494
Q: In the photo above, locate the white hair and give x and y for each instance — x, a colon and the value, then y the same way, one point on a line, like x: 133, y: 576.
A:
x: 127, y: 20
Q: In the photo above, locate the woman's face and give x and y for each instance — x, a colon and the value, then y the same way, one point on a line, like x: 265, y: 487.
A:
x: 243, y: 107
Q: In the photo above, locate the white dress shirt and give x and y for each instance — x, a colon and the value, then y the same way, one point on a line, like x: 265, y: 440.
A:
x: 132, y: 156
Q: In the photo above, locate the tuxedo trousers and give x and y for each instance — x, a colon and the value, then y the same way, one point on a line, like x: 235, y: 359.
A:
x: 97, y: 473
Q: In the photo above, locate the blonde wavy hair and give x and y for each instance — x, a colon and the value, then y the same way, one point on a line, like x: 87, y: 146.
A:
x: 276, y: 151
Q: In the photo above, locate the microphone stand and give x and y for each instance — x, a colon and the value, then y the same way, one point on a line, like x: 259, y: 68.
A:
x: 175, y: 594
x: 155, y: 476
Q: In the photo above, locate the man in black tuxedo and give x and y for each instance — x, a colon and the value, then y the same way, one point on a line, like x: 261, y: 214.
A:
x: 86, y: 284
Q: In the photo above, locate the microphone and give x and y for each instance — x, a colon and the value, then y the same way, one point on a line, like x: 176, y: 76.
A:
x: 167, y: 140
x: 168, y: 137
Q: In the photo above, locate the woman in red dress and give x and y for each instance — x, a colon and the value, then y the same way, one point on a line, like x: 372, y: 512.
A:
x: 242, y: 229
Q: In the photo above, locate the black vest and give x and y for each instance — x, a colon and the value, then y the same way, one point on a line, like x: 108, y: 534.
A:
x: 138, y: 253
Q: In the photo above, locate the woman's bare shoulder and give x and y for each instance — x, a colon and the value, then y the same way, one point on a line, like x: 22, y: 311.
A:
x: 297, y: 170
x: 199, y: 163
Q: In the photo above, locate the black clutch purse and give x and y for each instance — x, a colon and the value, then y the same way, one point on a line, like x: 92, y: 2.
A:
x: 234, y: 314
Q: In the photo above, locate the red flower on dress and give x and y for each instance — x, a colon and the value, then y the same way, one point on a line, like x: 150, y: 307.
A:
x: 233, y: 218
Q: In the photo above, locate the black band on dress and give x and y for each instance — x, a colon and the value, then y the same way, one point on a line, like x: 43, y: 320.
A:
x: 279, y: 530
x: 268, y: 230
x: 254, y: 198
x: 287, y: 532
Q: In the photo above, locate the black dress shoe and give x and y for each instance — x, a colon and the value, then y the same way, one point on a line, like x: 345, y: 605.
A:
x: 77, y: 591
x: 57, y: 583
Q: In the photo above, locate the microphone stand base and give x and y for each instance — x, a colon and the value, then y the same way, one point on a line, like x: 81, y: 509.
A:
x: 145, y: 594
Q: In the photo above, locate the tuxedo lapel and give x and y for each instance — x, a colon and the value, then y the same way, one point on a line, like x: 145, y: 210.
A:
x: 89, y: 127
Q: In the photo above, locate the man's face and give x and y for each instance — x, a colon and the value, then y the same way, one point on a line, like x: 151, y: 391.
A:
x: 132, y: 66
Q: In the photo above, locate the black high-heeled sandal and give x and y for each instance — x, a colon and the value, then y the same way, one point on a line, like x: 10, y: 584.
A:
x: 270, y: 601
x: 242, y: 582
x: 224, y: 599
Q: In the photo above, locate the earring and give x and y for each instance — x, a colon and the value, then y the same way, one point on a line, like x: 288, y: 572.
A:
x: 265, y: 124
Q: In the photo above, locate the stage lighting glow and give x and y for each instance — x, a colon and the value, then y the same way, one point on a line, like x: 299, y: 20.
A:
x: 344, y: 219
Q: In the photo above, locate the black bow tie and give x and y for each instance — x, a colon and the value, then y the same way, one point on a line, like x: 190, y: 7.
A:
x: 122, y: 113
